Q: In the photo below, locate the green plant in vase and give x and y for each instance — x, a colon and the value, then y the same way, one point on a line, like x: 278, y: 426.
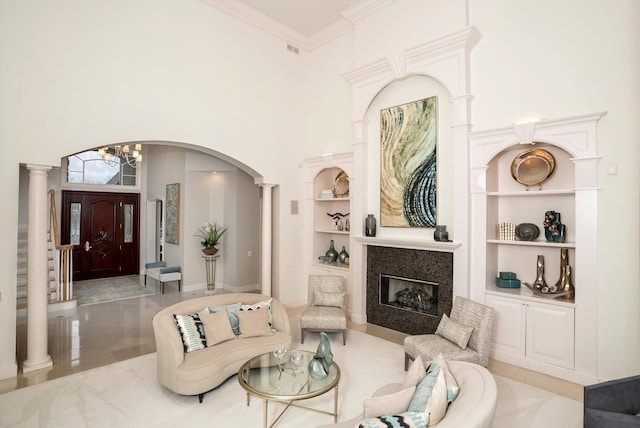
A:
x: 210, y: 234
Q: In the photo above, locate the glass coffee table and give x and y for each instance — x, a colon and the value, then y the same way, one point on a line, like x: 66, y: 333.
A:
x: 264, y: 377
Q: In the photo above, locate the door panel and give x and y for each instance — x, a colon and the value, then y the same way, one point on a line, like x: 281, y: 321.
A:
x: 106, y: 240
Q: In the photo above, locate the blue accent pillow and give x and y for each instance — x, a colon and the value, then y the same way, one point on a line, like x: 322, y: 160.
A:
x: 232, y: 313
x: 423, y: 391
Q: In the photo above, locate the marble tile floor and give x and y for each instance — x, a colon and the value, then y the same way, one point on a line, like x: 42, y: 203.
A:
x: 99, y: 334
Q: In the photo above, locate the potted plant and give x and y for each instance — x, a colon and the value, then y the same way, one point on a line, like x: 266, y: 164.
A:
x: 210, y: 233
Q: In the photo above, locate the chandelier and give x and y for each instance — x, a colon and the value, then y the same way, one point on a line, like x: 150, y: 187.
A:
x: 122, y: 154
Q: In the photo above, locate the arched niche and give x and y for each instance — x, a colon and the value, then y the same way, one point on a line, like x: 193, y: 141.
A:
x: 447, y: 61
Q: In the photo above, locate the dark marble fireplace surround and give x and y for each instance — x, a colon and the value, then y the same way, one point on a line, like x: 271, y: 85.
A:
x: 425, y: 265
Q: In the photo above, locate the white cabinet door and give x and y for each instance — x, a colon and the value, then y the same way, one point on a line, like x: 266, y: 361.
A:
x: 550, y: 334
x: 533, y: 330
x: 508, y: 325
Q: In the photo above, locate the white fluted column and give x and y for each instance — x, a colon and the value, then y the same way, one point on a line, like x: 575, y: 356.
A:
x: 267, y: 234
x: 37, y: 272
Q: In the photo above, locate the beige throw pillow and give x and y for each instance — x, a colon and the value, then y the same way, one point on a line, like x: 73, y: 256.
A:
x: 254, y: 323
x: 415, y: 374
x: 327, y: 298
x: 217, y: 327
x: 454, y: 332
x: 390, y: 404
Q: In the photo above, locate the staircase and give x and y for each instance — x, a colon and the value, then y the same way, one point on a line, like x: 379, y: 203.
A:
x: 21, y: 279
x: 60, y: 288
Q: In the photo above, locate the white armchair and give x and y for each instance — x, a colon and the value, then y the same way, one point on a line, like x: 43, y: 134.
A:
x: 326, y: 310
x: 465, y: 314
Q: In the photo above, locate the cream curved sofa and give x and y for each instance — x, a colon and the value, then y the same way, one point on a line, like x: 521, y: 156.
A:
x: 195, y: 373
x: 474, y: 407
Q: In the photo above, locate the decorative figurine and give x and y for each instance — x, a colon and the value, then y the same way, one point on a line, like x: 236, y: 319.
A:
x: 554, y: 230
x: 322, y: 360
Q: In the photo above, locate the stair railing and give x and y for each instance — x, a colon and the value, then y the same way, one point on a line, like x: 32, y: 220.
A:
x: 63, y: 260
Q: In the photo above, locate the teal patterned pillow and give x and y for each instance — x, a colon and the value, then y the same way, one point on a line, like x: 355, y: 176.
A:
x: 404, y: 420
x: 192, y: 332
x: 232, y: 313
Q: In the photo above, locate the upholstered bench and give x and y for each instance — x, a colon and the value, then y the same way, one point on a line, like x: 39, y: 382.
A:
x: 162, y: 273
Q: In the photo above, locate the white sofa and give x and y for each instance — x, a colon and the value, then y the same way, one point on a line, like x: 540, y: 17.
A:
x: 474, y: 407
x: 197, y: 372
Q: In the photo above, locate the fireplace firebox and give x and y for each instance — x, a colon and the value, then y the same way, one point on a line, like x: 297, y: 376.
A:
x: 409, y: 294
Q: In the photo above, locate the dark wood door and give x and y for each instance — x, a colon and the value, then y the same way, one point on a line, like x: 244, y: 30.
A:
x: 104, y: 229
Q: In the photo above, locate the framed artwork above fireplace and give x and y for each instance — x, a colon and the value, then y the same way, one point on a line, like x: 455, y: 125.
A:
x: 408, y: 178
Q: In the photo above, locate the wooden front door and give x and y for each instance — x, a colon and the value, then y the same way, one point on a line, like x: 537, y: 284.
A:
x: 104, y: 228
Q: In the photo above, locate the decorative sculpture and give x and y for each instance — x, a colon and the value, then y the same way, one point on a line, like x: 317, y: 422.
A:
x: 554, y: 230
x: 322, y: 360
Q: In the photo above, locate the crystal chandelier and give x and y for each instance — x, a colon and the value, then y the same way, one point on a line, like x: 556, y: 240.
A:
x: 122, y: 154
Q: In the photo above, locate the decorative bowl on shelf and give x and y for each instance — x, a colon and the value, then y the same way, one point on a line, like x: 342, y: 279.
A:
x: 527, y: 232
x: 341, y: 185
x: 533, y: 167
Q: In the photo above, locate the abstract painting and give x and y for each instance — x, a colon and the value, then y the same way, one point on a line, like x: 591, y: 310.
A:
x: 408, y: 135
x: 172, y: 232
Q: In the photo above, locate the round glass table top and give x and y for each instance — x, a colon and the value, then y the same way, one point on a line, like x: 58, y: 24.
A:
x: 266, y: 377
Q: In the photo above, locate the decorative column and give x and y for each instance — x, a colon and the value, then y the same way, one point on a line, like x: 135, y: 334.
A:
x: 37, y: 272
x: 266, y: 238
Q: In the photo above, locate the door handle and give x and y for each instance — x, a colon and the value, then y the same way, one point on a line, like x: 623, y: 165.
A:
x: 87, y: 247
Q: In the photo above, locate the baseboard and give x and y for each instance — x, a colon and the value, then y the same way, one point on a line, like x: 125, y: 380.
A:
x: 9, y: 371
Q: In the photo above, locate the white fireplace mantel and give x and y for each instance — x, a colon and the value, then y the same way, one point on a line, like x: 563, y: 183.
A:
x: 412, y: 244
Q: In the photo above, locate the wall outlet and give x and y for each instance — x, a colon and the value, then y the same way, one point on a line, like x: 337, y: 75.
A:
x: 249, y: 253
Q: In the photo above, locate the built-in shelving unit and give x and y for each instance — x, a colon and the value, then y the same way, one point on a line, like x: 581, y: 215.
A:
x: 542, y: 333
x: 321, y: 175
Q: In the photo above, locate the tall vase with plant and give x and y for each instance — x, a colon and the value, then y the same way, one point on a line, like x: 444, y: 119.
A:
x: 210, y: 233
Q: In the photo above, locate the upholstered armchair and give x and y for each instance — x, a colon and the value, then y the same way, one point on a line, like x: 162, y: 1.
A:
x: 326, y: 310
x: 615, y: 403
x: 464, y: 336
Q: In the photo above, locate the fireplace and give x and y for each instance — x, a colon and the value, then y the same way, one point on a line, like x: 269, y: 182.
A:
x: 409, y: 294
x: 430, y: 273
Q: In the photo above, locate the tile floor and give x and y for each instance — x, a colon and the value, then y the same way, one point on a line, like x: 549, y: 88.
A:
x: 99, y: 334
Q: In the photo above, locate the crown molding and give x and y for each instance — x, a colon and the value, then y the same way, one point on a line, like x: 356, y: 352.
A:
x: 259, y: 20
x: 364, y: 8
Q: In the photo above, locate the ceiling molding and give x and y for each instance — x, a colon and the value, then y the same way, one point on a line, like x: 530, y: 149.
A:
x: 264, y: 22
x: 364, y: 8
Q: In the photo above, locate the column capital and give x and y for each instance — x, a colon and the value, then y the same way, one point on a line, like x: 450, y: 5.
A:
x: 34, y: 167
x: 267, y: 185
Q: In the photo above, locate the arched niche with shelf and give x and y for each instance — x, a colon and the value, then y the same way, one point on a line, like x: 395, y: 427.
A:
x: 497, y: 197
x: 324, y: 195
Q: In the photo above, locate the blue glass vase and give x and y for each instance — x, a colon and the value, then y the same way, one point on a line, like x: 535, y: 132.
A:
x: 321, y: 362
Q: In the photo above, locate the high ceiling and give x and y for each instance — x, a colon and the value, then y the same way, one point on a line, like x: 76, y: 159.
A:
x: 307, y: 17
x: 306, y: 24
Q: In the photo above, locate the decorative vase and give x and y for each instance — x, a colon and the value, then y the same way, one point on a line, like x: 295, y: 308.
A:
x: 321, y: 362
x: 210, y: 251
x: 331, y: 253
x: 564, y: 283
x: 554, y: 230
x: 324, y: 349
x: 316, y: 368
x: 540, y: 284
x: 343, y: 257
x: 370, y: 225
x: 441, y: 234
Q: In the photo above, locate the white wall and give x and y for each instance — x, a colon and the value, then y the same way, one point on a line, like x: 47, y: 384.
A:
x: 79, y: 74
x: 552, y: 59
